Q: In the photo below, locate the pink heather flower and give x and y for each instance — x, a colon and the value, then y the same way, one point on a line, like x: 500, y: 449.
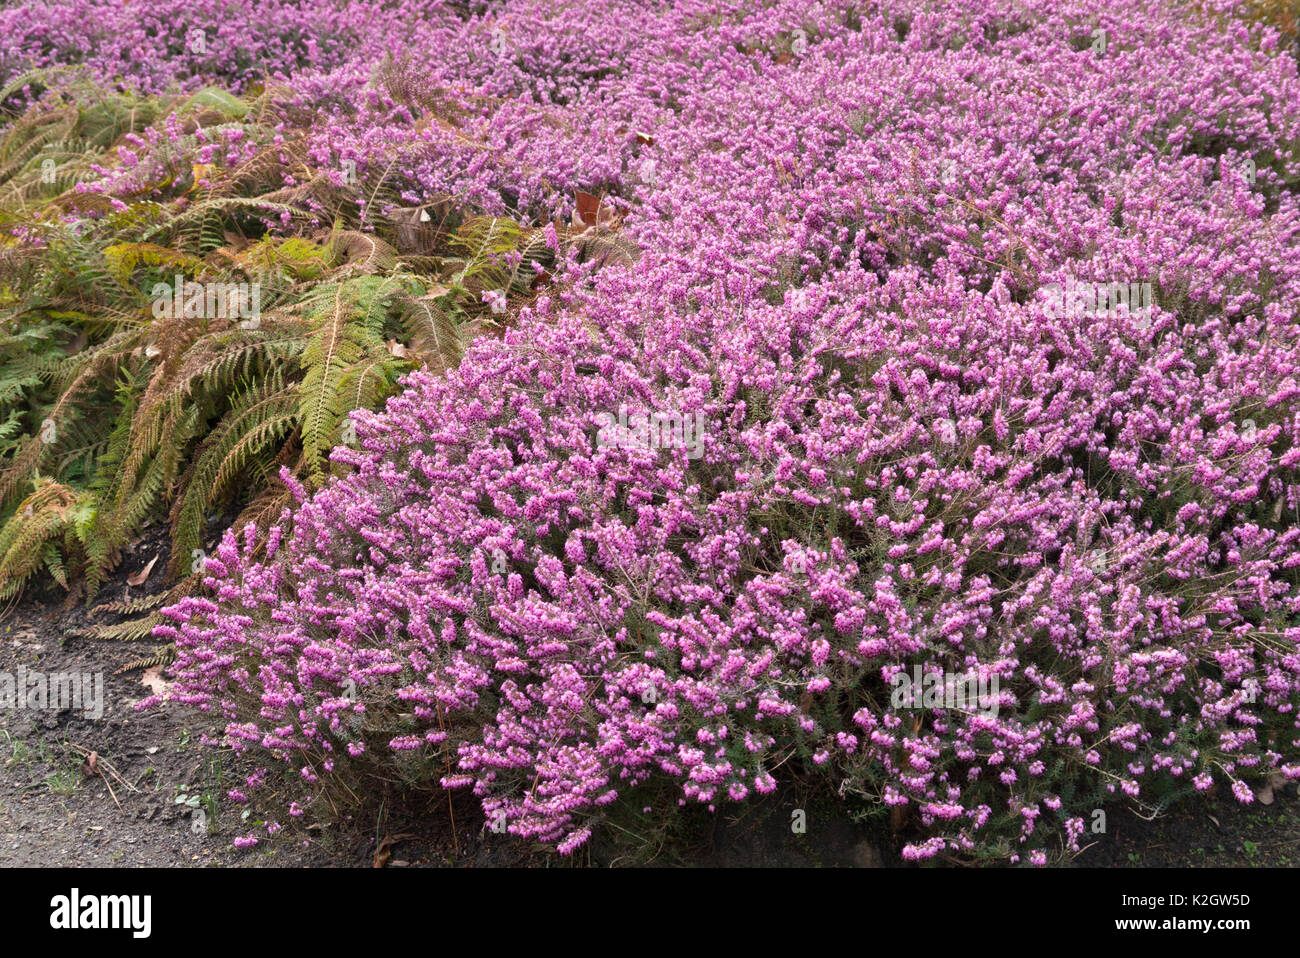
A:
x: 496, y: 299
x: 893, y: 415
x: 571, y: 843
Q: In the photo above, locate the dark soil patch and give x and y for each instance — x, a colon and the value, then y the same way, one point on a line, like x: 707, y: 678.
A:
x: 1213, y: 832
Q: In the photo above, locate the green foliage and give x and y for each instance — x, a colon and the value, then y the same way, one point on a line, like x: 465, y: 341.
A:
x: 116, y: 409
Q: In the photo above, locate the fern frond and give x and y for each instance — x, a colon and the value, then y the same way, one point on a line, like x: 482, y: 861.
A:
x: 432, y: 333
x: 40, y: 520
x: 348, y: 320
x: 261, y: 418
x: 163, y: 655
x: 363, y: 252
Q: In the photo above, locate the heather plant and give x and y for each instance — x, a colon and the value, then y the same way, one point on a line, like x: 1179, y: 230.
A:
x: 195, y: 42
x: 907, y: 456
x: 566, y: 621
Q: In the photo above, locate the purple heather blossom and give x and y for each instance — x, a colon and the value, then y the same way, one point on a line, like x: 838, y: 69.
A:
x: 912, y: 458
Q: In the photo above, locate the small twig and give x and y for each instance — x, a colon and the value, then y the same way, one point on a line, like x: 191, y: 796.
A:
x: 451, y: 810
x: 92, y: 763
x: 1082, y: 850
x: 101, y: 762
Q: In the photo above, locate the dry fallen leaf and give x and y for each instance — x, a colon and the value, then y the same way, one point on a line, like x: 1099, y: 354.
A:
x: 383, y: 851
x: 588, y: 207
x: 140, y: 577
x: 235, y: 241
x: 154, y: 682
x: 396, y: 348
x: 78, y: 344
x: 594, y: 210
x: 1274, y: 781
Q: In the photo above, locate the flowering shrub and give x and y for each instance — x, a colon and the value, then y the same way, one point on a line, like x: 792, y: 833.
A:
x: 910, y: 457
x: 151, y: 46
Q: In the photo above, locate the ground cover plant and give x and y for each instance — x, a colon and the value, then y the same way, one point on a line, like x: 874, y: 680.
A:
x: 935, y: 348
